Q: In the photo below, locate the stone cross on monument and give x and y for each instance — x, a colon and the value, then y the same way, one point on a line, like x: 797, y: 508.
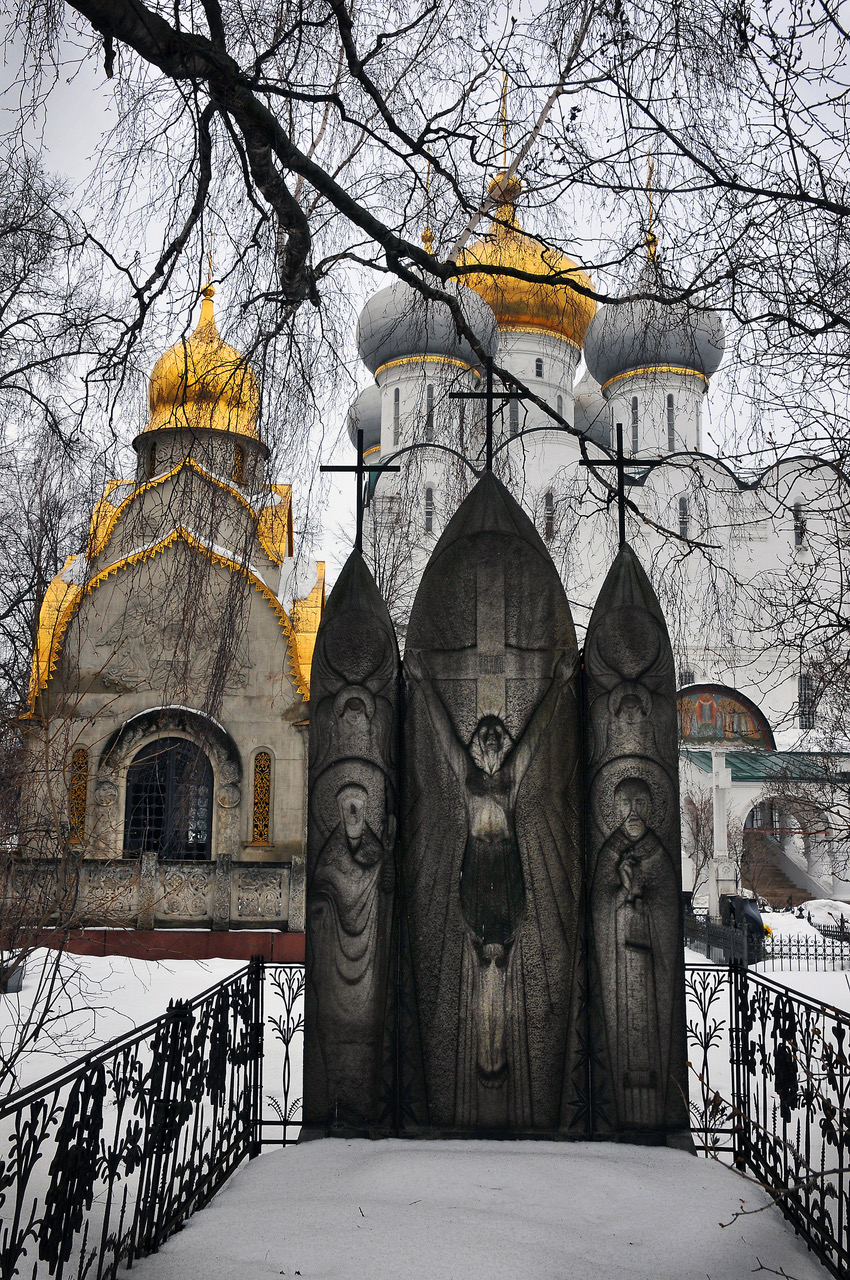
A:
x: 360, y: 469
x: 619, y: 461
x: 489, y: 396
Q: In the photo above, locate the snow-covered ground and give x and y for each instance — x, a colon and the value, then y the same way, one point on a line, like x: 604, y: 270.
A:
x: 452, y: 1210
x: 94, y: 1000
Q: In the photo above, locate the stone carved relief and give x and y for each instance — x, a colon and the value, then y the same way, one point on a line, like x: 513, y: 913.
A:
x: 351, y: 838
x: 492, y: 860
x: 221, y: 891
x: 109, y: 892
x: 105, y: 793
x: 634, y: 859
x: 259, y: 893
x: 185, y: 891
x: 137, y: 651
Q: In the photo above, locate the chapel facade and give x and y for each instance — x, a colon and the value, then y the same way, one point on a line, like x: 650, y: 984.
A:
x: 168, y: 703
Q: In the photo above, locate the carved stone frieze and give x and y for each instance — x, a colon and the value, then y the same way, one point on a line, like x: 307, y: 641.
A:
x: 259, y: 893
x: 185, y: 891
x: 109, y: 891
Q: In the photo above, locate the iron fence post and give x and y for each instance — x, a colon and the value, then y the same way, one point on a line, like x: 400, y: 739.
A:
x: 737, y: 977
x: 256, y: 975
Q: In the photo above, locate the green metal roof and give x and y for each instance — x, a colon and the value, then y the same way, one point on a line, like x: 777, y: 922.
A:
x: 759, y: 766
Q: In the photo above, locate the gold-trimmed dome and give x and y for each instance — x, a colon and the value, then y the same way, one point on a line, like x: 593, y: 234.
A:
x: 203, y: 382
x: 524, y: 304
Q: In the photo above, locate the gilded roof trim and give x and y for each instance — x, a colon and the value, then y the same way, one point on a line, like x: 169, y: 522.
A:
x: 57, y: 608
x: 103, y: 521
x: 65, y: 609
x: 306, y: 617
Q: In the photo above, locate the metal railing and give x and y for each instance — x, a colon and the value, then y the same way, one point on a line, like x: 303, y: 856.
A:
x: 103, y: 1160
x: 725, y: 944
x: 772, y: 1093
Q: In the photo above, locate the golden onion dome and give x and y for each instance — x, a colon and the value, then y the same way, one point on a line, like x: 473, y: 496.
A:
x: 203, y: 382
x: 526, y: 304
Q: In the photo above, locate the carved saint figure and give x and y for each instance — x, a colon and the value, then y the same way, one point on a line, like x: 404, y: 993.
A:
x: 490, y: 770
x: 351, y: 835
x: 633, y: 853
x: 347, y: 899
x: 491, y: 869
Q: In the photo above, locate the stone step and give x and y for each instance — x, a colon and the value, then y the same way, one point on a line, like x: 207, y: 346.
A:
x: 760, y: 873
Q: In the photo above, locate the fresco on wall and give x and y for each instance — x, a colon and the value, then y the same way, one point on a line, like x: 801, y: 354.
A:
x: 712, y: 713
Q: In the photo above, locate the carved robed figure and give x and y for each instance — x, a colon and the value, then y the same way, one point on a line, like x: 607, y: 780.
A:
x: 492, y: 868
x: 351, y: 842
x: 634, y: 860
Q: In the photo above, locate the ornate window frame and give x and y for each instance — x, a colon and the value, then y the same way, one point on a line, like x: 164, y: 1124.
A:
x: 251, y: 839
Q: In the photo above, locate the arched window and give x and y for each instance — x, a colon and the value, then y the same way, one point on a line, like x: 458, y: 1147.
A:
x: 238, y: 464
x: 77, y: 795
x: 686, y: 677
x: 538, y: 367
x: 513, y: 417
x: 635, y: 435
x: 429, y: 510
x: 152, y: 459
x: 262, y: 798
x: 560, y: 406
x: 169, y: 802
x: 549, y: 516
x: 799, y: 525
x: 396, y: 415
x: 671, y: 425
x: 684, y: 517
x: 429, y: 412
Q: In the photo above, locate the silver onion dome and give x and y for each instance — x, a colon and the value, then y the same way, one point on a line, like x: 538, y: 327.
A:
x: 398, y: 322
x: 365, y: 412
x: 650, y: 333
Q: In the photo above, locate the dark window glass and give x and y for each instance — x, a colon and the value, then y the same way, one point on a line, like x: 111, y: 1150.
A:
x: 513, y: 417
x: 671, y: 425
x: 538, y: 368
x: 549, y: 514
x: 686, y: 676
x: 684, y: 517
x: 396, y: 415
x: 429, y: 510
x: 169, y: 802
x: 799, y: 525
x: 429, y: 412
x: 635, y: 424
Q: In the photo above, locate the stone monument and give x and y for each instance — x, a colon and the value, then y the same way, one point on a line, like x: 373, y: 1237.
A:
x: 492, y: 864
x: 351, y: 861
x: 637, y: 992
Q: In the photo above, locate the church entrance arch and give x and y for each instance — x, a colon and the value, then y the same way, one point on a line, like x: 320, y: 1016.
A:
x: 168, y: 808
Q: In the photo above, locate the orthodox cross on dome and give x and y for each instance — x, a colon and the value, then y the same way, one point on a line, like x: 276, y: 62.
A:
x: 619, y: 461
x: 489, y: 396
x: 361, y: 469
x: 651, y: 237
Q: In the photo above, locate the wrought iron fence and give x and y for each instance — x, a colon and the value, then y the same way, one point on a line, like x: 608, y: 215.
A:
x: 771, y: 1092
x: 103, y: 1160
x: 728, y: 944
